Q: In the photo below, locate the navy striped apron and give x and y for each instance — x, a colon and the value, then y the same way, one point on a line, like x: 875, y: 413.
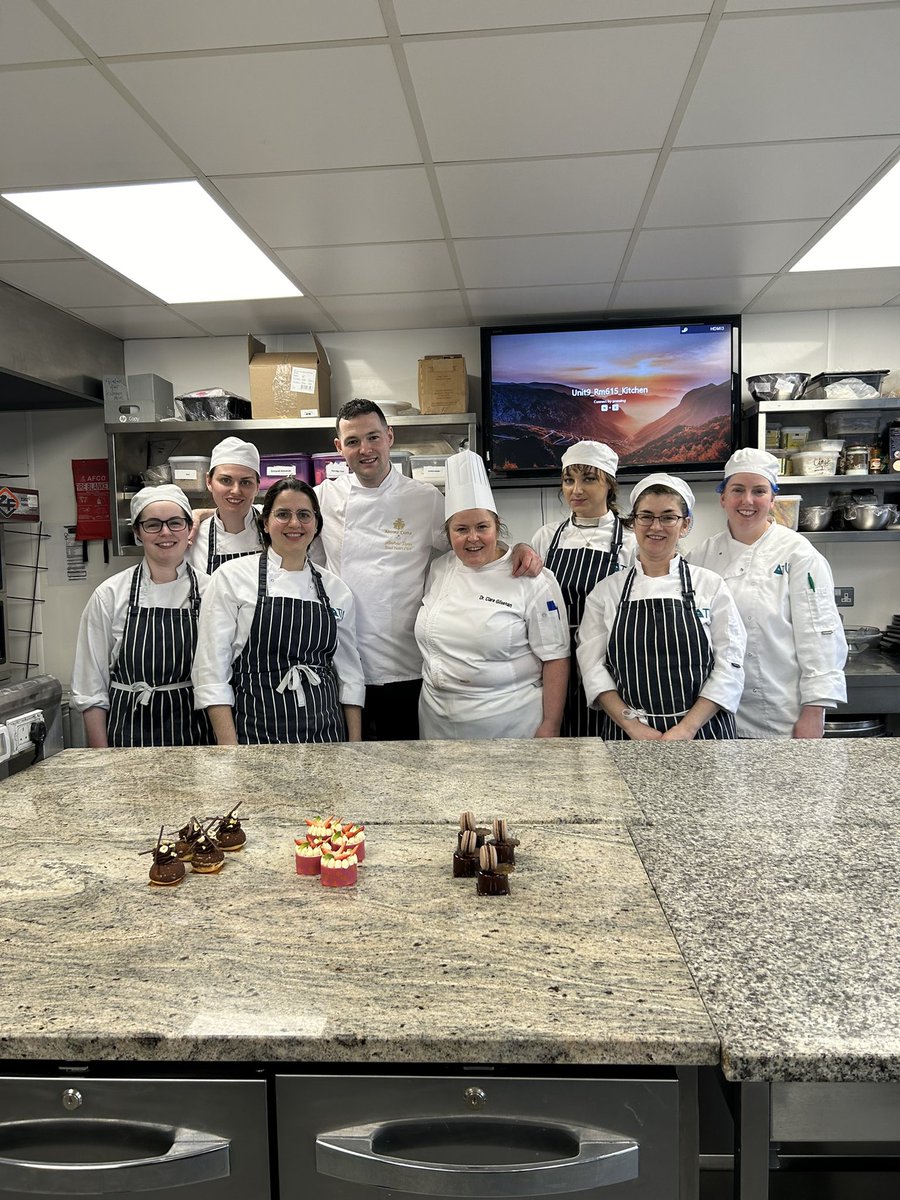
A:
x: 577, y: 571
x: 285, y: 685
x: 660, y: 657
x: 151, y: 699
x: 214, y: 560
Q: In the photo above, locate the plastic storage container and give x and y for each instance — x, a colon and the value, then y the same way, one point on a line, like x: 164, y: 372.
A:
x: 189, y: 472
x: 815, y: 389
x: 328, y: 466
x: 430, y: 468
x: 273, y: 467
x: 400, y: 462
x: 815, y: 462
x: 773, y: 436
x: 784, y: 460
x: 861, y: 425
x: 787, y: 511
x: 794, y: 437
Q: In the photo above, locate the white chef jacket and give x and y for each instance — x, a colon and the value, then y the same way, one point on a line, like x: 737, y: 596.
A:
x: 245, y: 542
x: 796, y: 647
x: 103, y: 622
x: 380, y: 542
x: 715, y: 607
x: 484, y: 637
x: 592, y: 537
x: 226, y: 616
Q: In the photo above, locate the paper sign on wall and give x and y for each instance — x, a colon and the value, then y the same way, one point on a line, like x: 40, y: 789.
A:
x: 91, y: 477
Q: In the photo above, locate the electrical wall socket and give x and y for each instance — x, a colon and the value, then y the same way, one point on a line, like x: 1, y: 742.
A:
x: 19, y: 730
x: 843, y: 597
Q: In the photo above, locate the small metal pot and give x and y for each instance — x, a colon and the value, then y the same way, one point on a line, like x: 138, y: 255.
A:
x: 815, y: 518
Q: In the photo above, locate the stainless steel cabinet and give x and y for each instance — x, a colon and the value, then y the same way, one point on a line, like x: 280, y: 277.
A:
x: 135, y: 446
x: 191, y: 1138
x: 353, y: 1137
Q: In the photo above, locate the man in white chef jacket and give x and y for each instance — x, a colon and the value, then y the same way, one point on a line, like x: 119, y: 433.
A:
x: 380, y: 531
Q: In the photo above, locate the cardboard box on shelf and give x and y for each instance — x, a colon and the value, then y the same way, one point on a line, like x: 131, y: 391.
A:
x: 292, y: 385
x: 443, y: 384
x: 136, y: 398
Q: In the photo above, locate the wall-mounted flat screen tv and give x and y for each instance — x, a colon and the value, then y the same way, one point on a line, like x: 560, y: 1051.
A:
x: 664, y: 394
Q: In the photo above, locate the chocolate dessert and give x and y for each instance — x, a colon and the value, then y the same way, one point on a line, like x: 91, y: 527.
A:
x: 505, y: 846
x: 206, y: 857
x: 490, y: 881
x: 186, y: 837
x: 229, y: 833
x: 467, y: 823
x: 166, y: 869
x: 465, y: 859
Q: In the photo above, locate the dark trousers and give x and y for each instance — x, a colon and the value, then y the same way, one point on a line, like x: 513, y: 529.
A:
x: 391, y: 712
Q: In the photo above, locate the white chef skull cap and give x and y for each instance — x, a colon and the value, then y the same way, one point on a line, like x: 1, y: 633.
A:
x: 753, y: 462
x: 467, y: 484
x: 150, y: 495
x: 235, y: 452
x: 592, y: 454
x: 672, y: 482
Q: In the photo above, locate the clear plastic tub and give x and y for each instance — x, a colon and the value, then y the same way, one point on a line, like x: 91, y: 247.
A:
x: 794, y: 437
x: 815, y: 462
x: 328, y: 466
x: 863, y: 424
x: 430, y: 468
x: 787, y: 511
x: 273, y: 467
x: 189, y: 472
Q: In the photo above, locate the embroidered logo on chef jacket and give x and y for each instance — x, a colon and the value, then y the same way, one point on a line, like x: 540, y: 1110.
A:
x: 338, y: 613
x: 397, y: 536
x: 782, y: 569
x: 703, y: 615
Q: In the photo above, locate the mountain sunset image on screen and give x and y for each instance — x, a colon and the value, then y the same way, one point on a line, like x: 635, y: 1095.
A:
x: 660, y: 395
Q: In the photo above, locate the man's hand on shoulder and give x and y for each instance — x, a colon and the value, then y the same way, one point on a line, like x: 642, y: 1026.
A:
x: 526, y: 561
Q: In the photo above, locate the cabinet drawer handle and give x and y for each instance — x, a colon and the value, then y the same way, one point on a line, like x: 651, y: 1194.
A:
x: 363, y: 1154
x: 176, y: 1157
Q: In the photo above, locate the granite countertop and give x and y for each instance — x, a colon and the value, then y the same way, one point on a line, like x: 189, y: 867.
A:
x: 777, y: 866
x: 577, y: 966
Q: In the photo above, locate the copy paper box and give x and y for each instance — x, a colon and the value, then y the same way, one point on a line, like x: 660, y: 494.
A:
x: 443, y: 384
x: 291, y: 386
x: 137, y: 398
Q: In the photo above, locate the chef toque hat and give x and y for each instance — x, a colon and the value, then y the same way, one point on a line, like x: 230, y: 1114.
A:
x: 150, y: 495
x: 236, y: 452
x: 592, y: 454
x: 672, y: 482
x: 467, y: 485
x: 753, y: 462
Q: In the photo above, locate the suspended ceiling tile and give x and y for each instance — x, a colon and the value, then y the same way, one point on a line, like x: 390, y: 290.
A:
x: 352, y: 270
x: 764, y: 183
x: 72, y: 127
x: 333, y: 208
x: 496, y: 305
x: 403, y: 310
x: 830, y: 289
x: 760, y: 5
x: 437, y: 16
x: 256, y: 316
x: 26, y: 36
x: 718, y: 251
x: 138, y: 27
x: 280, y: 111
x: 551, y: 93
x: 74, y: 284
x: 21, y: 239
x: 715, y: 296
x: 573, y: 258
x: 138, y: 321
x: 814, y: 75
x: 570, y: 195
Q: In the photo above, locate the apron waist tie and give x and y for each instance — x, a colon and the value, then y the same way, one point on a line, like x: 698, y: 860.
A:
x: 293, y: 681
x: 146, y: 690
x: 640, y: 714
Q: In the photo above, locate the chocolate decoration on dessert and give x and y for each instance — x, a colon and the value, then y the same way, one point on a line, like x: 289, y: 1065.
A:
x: 187, y: 836
x: 206, y: 857
x: 166, y: 869
x: 229, y: 833
x: 490, y: 881
x: 504, y: 845
x: 465, y: 859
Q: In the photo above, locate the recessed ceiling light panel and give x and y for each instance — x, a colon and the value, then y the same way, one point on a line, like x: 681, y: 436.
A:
x: 867, y: 236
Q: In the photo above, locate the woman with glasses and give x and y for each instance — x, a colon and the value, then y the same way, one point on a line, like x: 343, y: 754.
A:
x: 138, y: 633
x: 277, y: 660
x: 589, y: 545
x: 233, y: 528
x: 661, y: 646
x: 784, y: 590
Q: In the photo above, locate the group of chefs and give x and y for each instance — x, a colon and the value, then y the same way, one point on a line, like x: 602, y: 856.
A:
x: 372, y: 607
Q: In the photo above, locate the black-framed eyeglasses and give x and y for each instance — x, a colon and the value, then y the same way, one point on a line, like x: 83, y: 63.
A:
x: 645, y: 519
x: 154, y: 525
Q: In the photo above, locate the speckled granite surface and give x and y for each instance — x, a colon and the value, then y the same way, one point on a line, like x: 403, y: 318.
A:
x: 423, y: 782
x: 577, y: 966
x: 791, y: 931
x: 840, y: 780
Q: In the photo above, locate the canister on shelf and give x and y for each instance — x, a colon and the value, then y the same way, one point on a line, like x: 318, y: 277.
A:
x: 856, y: 460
